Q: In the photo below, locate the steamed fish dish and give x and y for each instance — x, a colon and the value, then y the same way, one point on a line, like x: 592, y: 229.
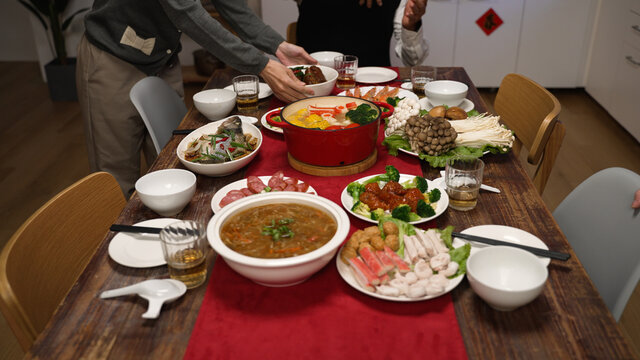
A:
x: 227, y: 144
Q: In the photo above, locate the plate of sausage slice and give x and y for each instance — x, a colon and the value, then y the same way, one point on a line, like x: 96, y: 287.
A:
x: 255, y: 185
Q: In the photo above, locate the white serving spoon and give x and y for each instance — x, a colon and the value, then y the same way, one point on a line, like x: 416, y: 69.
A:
x: 156, y: 291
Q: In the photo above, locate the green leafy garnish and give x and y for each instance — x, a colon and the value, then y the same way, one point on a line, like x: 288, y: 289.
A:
x: 362, y: 115
x: 278, y: 229
x: 393, y: 101
x: 395, y: 142
x: 473, y: 112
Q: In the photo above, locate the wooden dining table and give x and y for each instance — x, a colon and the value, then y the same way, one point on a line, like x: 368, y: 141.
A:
x: 569, y: 320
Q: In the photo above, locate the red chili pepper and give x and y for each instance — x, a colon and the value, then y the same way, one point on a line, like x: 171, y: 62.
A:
x: 352, y: 125
x: 232, y: 149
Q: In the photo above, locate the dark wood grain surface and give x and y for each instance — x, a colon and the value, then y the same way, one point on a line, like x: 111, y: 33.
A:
x: 568, y: 321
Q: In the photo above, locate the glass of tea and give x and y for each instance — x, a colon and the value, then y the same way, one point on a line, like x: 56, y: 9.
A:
x: 347, y: 67
x: 247, y: 88
x: 463, y: 177
x: 184, y: 247
x: 420, y: 76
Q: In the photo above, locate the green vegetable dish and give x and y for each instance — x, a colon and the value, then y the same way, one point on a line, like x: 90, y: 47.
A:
x: 405, y: 197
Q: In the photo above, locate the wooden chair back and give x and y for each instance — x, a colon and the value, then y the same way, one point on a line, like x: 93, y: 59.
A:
x: 291, y: 32
x: 47, y: 254
x: 531, y: 112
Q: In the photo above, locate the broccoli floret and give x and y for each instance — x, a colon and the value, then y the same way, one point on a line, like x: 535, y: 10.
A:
x: 390, y: 174
x: 414, y: 217
x: 404, y: 228
x: 434, y: 195
x: 361, y: 208
x: 417, y: 182
x: 377, y: 214
x: 355, y: 189
x: 424, y: 210
x: 402, y: 212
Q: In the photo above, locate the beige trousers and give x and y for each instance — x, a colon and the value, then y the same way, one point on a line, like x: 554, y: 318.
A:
x: 114, y: 131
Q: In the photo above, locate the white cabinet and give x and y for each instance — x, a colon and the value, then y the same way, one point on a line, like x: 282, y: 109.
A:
x: 554, y: 41
x: 614, y: 70
x: 487, y: 58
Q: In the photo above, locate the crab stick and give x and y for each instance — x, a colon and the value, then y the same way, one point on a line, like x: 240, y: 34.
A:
x: 365, y: 277
x: 400, y: 264
x: 385, y: 260
x: 372, y: 261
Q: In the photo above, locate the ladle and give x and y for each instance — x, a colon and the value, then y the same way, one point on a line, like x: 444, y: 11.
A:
x: 156, y: 291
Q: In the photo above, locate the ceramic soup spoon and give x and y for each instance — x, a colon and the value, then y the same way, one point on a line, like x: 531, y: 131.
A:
x: 156, y: 291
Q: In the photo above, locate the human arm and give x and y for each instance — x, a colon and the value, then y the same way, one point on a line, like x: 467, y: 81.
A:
x: 636, y: 200
x: 411, y: 46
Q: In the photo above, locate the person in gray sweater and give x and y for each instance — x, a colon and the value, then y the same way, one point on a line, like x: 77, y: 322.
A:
x: 126, y: 40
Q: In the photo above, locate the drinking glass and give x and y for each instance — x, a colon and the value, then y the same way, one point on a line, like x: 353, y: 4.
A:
x: 247, y: 88
x: 347, y: 67
x: 463, y: 177
x: 420, y: 76
x: 184, y: 247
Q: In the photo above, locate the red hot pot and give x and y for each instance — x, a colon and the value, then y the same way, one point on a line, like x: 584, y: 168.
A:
x: 330, y: 147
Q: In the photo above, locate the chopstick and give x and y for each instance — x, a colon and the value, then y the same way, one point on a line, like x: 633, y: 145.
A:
x: 537, y: 251
x: 135, y: 229
x: 182, y: 131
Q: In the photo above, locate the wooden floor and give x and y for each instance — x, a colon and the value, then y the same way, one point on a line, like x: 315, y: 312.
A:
x: 42, y: 149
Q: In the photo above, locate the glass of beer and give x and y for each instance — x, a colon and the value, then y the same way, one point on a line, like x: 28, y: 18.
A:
x: 463, y: 177
x: 247, y: 88
x: 184, y: 246
x: 347, y: 67
x: 420, y: 76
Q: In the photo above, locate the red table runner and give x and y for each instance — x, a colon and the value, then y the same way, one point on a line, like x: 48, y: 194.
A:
x: 323, y: 317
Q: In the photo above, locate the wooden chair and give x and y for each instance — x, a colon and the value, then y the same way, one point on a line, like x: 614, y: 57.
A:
x: 531, y: 112
x: 47, y: 254
x: 291, y: 32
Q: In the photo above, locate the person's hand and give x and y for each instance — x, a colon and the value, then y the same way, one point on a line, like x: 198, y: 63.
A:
x: 413, y: 13
x: 369, y: 3
x: 290, y: 54
x: 283, y: 82
x: 636, y: 200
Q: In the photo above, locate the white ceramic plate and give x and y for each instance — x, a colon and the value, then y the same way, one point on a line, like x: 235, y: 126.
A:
x: 375, y: 75
x: 264, y: 90
x: 508, y: 234
x: 467, y: 105
x: 347, y: 276
x: 139, y: 250
x: 237, y: 185
x: 266, y: 125
x: 407, y: 85
x: 402, y: 93
x: 441, y: 205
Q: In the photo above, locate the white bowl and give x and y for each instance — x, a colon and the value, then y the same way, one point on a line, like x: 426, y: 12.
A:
x: 221, y: 169
x: 326, y: 87
x: 325, y: 58
x: 506, y: 277
x: 215, y: 104
x: 285, y: 271
x: 445, y: 92
x: 166, y: 191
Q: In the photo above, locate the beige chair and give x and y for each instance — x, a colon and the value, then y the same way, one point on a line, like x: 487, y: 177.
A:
x: 47, y: 254
x: 531, y: 112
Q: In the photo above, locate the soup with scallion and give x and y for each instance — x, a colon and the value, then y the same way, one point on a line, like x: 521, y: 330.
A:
x: 278, y: 230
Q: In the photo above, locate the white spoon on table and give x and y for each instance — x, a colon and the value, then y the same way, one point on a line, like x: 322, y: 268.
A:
x: 156, y: 291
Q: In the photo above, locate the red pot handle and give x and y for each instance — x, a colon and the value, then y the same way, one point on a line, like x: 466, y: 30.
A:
x: 272, y: 122
x: 385, y: 106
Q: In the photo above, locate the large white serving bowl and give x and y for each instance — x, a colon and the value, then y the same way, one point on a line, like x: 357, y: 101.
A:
x: 445, y: 92
x: 506, y: 277
x: 166, y: 191
x: 221, y: 169
x: 326, y: 87
x: 325, y: 58
x: 215, y: 104
x: 285, y: 271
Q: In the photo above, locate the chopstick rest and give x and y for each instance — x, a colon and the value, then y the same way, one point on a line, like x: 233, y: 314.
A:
x: 536, y: 251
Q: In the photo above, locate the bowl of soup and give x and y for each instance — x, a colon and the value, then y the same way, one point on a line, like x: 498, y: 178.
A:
x: 331, y: 130
x: 279, y: 238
